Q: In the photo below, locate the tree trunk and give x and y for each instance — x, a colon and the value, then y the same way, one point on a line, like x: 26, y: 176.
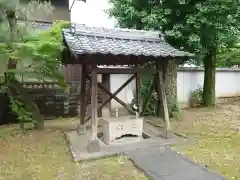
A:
x: 209, y: 61
x: 30, y: 106
x: 29, y: 103
x: 170, y: 79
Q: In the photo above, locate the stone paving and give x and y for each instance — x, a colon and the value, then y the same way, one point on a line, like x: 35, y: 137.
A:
x: 162, y: 163
x: 152, y: 155
x: 78, y: 146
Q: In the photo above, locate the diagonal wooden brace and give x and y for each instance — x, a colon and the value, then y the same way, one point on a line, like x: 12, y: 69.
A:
x: 113, y: 95
x: 148, y: 95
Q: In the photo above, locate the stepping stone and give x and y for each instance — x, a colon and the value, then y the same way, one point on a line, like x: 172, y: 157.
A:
x: 162, y: 163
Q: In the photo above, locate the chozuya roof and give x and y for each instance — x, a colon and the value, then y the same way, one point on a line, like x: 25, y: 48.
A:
x: 92, y: 40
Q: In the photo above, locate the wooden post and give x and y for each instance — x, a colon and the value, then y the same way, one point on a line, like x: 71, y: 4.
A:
x: 88, y: 96
x: 94, y: 103
x: 163, y: 99
x: 159, y: 108
x: 82, y: 94
x: 137, y: 94
x: 93, y: 145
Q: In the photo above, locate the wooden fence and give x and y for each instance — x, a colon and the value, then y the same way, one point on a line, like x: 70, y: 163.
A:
x: 51, y: 100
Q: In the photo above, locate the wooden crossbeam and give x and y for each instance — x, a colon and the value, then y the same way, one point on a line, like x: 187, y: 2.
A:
x: 114, y: 95
x: 115, y: 98
x: 125, y: 70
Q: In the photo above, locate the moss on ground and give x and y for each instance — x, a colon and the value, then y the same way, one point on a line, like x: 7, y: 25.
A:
x: 27, y: 155
x: 216, y: 138
x: 44, y: 155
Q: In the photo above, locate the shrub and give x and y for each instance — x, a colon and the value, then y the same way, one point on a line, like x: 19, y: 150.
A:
x: 175, y: 111
x: 196, y: 97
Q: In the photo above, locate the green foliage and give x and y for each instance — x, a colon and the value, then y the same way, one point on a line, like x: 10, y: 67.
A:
x: 229, y: 57
x: 194, y: 25
x: 151, y: 108
x: 175, y: 110
x: 18, y: 108
x: 203, y: 27
x: 44, y: 51
x: 36, y: 54
x: 196, y: 97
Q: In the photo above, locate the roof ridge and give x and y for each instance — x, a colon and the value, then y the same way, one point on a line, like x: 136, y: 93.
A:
x: 123, y: 33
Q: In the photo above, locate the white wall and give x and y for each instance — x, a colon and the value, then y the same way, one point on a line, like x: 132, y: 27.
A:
x: 126, y: 95
x: 226, y: 82
x: 188, y: 79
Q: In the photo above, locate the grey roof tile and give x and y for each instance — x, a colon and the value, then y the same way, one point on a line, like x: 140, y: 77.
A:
x: 37, y: 25
x: 92, y: 40
x: 41, y: 26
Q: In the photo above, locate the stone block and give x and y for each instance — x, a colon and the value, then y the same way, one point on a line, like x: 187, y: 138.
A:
x: 81, y: 129
x: 93, y: 146
x: 169, y: 134
x: 114, y: 128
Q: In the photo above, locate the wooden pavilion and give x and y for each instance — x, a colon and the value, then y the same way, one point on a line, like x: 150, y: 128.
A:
x: 91, y: 47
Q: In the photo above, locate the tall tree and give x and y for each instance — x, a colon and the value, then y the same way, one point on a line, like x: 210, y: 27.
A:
x: 20, y: 45
x: 199, y: 26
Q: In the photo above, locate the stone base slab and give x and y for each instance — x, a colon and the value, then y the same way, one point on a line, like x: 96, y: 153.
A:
x: 114, y: 128
x: 93, y: 146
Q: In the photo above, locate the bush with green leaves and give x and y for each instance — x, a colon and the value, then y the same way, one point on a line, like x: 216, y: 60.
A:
x: 27, y: 51
x: 196, y: 97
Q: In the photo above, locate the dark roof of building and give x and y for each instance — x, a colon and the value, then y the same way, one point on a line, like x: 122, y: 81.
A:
x: 41, y: 25
x: 82, y: 39
x: 37, y: 25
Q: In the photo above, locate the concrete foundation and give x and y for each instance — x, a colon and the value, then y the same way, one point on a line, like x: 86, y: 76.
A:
x: 82, y: 148
x: 93, y: 146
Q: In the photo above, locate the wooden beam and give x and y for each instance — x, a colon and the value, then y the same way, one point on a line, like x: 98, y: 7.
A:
x: 109, y: 59
x: 109, y: 88
x: 159, y: 108
x: 94, y: 102
x: 148, y: 96
x: 87, y: 98
x: 163, y: 99
x: 83, y: 94
x: 137, y: 85
x: 87, y: 119
x: 125, y: 70
x: 113, y: 96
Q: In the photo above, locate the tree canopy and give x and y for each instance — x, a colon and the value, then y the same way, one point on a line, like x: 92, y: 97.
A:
x: 192, y: 25
x: 203, y: 27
